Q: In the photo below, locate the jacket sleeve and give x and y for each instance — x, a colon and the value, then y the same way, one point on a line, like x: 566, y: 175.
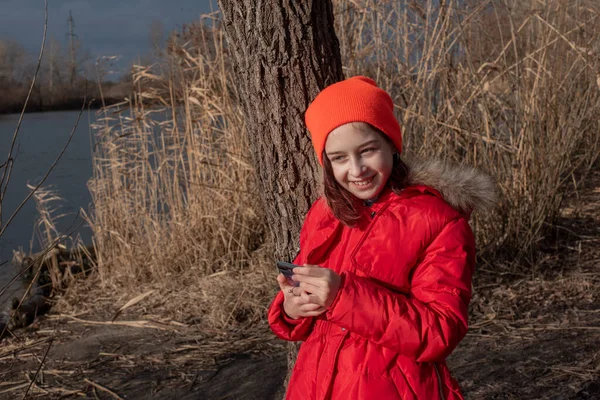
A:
x: 283, y: 326
x: 427, y: 323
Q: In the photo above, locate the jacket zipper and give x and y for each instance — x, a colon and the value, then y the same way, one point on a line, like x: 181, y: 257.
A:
x: 439, y: 378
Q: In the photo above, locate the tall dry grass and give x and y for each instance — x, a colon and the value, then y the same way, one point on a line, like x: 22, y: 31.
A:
x: 173, y: 188
x: 510, y: 87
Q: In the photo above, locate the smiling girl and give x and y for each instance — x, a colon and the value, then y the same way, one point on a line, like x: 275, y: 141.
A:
x: 387, y: 259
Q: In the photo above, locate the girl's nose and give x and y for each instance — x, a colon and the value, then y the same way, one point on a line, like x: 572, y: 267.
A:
x: 357, y: 168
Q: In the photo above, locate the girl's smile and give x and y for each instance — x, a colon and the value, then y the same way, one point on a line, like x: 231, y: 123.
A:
x: 361, y: 159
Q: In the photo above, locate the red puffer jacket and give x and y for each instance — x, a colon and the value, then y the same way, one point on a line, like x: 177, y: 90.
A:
x: 401, y: 308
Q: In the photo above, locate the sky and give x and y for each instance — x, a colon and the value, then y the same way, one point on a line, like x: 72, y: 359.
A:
x: 104, y: 27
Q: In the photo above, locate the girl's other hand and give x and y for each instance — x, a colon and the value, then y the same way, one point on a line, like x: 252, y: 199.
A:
x: 294, y: 304
x: 319, y: 285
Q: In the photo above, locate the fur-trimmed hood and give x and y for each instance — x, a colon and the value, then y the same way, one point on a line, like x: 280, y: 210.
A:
x: 464, y: 188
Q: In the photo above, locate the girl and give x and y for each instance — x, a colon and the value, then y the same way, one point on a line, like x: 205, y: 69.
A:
x: 385, y: 284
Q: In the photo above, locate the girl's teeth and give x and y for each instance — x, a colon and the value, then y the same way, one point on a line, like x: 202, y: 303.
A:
x: 362, y: 183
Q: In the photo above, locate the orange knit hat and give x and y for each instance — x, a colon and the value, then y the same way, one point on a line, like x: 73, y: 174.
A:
x: 357, y: 99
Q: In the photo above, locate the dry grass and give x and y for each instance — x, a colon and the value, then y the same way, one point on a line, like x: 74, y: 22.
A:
x: 174, y: 192
x: 508, y: 87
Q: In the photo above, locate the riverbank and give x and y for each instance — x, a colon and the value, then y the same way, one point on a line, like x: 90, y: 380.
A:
x: 530, y: 337
x: 185, y: 259
x: 66, y: 100
x: 68, y: 105
x: 41, y: 139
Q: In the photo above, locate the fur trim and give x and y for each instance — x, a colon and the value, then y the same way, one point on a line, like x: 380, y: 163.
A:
x: 464, y: 188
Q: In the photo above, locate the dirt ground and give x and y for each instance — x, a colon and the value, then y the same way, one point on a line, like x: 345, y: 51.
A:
x: 535, y: 336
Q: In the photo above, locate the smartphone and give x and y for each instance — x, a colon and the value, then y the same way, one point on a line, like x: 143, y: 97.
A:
x: 286, y: 269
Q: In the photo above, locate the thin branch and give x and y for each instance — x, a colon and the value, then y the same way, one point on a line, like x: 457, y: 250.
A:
x: 34, y: 279
x: 40, y: 256
x: 47, y: 172
x: 9, y: 160
x: 39, y: 368
x: 103, y: 389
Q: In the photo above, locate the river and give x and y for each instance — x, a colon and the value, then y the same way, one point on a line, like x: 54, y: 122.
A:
x: 41, y: 138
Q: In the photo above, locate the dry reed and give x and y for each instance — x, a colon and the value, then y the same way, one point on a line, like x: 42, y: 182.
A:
x: 173, y: 188
x: 507, y: 86
x: 501, y: 85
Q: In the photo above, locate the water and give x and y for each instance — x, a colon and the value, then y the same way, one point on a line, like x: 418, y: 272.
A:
x: 41, y: 138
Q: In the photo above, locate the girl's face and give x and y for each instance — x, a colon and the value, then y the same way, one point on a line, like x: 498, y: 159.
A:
x: 361, y: 159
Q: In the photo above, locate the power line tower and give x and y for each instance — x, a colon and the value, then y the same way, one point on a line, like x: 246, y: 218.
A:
x: 72, y: 36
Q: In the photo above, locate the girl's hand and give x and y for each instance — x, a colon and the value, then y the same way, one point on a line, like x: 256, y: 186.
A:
x: 294, y: 305
x: 319, y: 285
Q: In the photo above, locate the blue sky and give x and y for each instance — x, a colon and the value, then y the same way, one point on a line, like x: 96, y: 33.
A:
x: 104, y: 27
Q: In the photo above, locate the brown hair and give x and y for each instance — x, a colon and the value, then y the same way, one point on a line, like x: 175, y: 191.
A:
x: 345, y: 206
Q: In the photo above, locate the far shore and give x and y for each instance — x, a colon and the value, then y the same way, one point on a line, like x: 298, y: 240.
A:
x: 70, y: 105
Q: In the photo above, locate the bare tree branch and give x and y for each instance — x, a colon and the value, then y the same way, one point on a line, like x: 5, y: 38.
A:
x: 47, y: 172
x: 40, y: 255
x: 38, y: 370
x: 9, y: 159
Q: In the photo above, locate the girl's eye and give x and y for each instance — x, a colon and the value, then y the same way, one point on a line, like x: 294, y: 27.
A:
x: 337, y: 158
x: 368, y: 150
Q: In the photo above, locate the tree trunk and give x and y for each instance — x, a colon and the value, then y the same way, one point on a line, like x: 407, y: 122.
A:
x: 284, y: 53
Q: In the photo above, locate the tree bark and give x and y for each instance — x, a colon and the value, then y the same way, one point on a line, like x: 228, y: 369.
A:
x: 284, y: 53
